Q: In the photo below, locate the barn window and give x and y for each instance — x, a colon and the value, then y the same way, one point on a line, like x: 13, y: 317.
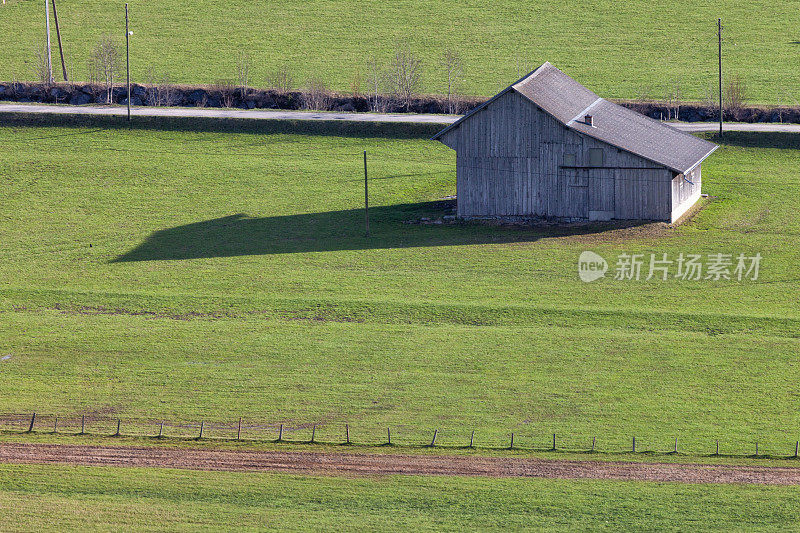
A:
x: 569, y: 160
x: 595, y: 157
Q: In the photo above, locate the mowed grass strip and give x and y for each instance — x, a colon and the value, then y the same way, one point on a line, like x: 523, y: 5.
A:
x: 620, y: 50
x: 101, y: 499
x: 534, y: 381
x: 208, y: 275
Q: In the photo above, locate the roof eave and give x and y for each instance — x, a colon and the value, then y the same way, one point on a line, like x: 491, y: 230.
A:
x: 713, y: 149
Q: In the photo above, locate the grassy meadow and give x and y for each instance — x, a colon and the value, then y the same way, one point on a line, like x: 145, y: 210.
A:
x: 619, y: 49
x: 36, y: 497
x: 199, y: 274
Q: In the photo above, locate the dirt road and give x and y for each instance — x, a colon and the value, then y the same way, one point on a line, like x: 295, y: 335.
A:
x: 354, y: 464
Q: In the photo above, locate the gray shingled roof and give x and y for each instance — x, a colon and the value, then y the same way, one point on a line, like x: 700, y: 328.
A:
x: 569, y: 101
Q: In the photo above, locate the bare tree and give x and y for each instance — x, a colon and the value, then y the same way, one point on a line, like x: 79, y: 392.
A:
x: 523, y: 67
x: 710, y: 98
x: 734, y: 95
x: 281, y: 79
x: 162, y: 92
x: 355, y: 84
x: 405, y: 75
x: 244, y: 65
x: 226, y: 90
x: 673, y: 98
x: 454, y: 70
x: 316, y: 95
x: 40, y: 67
x: 376, y: 79
x: 104, y: 65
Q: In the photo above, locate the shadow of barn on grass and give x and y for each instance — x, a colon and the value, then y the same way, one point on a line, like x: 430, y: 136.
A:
x: 240, y: 235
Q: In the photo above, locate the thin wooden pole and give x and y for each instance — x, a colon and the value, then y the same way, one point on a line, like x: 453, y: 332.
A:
x: 433, y: 442
x: 60, y: 48
x: 472, y: 439
x: 280, y: 433
x: 512, y: 442
x: 313, y: 433
x: 128, y: 60
x: 634, y: 444
x: 202, y: 424
x: 347, y: 433
x: 796, y: 448
x: 389, y: 436
x: 554, y: 441
x: 593, y: 443
x: 717, y: 453
x: 239, y: 431
x: 83, y: 423
x: 118, y: 424
x: 676, y: 445
x: 49, y: 55
x: 33, y: 419
x: 719, y: 37
x: 366, y: 195
x: 161, y: 429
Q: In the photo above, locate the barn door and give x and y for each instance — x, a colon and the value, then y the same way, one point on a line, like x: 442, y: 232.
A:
x: 601, y: 193
x: 576, y: 197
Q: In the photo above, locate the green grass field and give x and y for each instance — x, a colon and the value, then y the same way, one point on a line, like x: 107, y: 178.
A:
x: 195, y: 275
x: 620, y: 50
x: 105, y: 499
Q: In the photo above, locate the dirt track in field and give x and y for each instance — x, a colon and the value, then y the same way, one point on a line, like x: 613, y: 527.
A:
x: 353, y: 464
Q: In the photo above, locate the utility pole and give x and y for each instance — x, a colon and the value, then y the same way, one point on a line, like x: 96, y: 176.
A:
x: 47, y: 29
x: 60, y: 49
x: 128, y: 60
x: 366, y: 194
x: 719, y: 38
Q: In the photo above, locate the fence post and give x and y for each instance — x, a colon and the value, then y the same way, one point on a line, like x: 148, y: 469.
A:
x: 717, y: 447
x: 512, y: 442
x: 796, y: 446
x: 472, y: 439
x: 83, y: 424
x: 118, y: 424
x: 593, y: 442
x: 389, y: 436
x: 280, y: 433
x: 676, y: 445
x: 161, y: 429
x: 347, y: 433
x: 33, y: 419
x: 239, y: 431
x: 433, y: 442
x: 313, y: 433
x: 202, y: 424
x: 554, y: 442
x: 634, y: 444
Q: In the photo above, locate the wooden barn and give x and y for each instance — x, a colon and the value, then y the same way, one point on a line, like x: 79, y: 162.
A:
x: 548, y: 147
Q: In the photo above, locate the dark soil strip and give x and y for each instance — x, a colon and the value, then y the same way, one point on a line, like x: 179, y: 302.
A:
x: 351, y: 464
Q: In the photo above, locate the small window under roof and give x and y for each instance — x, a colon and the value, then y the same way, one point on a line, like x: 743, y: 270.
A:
x: 595, y: 157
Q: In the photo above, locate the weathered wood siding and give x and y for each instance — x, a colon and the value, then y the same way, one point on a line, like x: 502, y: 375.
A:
x: 511, y: 162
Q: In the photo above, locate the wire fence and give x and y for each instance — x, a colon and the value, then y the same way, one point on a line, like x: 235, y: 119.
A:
x: 254, y: 431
